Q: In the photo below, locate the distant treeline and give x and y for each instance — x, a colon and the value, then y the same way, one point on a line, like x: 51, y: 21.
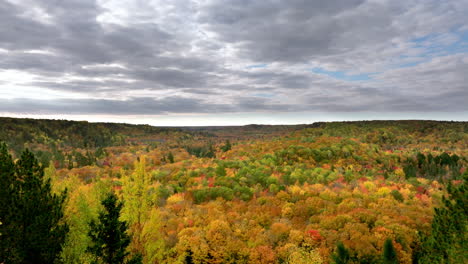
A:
x: 75, y: 134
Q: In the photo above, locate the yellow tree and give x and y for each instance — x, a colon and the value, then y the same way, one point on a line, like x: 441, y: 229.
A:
x: 154, y: 245
x: 83, y: 206
x: 301, y: 255
x: 138, y: 196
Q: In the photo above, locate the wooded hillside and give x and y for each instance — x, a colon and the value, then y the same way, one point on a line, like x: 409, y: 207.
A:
x: 339, y: 192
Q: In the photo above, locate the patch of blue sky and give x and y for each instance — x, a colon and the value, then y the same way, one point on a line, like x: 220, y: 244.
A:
x: 410, y: 64
x: 433, y: 47
x: 264, y: 65
x: 423, y: 38
x: 341, y: 75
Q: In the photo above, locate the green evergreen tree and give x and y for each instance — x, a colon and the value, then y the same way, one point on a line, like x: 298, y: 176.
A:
x: 32, y: 217
x: 211, y: 152
x: 189, y: 257
x: 227, y: 146
x: 170, y: 157
x: 448, y: 240
x: 341, y: 256
x: 109, y: 235
x: 8, y: 250
x: 389, y: 253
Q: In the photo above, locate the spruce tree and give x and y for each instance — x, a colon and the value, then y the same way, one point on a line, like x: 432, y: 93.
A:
x: 109, y: 235
x: 341, y: 256
x: 8, y: 194
x: 33, y: 230
x: 389, y: 253
x: 227, y: 146
x: 170, y: 157
x: 448, y: 240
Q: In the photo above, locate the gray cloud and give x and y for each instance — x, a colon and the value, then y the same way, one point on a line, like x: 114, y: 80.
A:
x: 298, y: 31
x: 196, y: 56
x: 133, y: 106
x: 19, y: 32
x: 106, y: 106
x: 278, y: 30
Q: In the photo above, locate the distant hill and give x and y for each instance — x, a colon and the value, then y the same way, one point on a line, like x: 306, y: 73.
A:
x: 26, y: 132
x: 82, y: 134
x: 17, y: 132
x: 53, y: 139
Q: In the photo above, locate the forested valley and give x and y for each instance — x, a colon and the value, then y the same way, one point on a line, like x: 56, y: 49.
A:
x: 328, y: 192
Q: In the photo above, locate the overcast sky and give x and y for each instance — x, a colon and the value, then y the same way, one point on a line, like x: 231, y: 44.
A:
x: 206, y: 62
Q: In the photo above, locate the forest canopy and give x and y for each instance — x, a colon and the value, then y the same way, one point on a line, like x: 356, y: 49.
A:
x: 339, y: 192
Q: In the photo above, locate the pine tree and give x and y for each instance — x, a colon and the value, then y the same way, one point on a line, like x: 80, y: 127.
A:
x: 227, y: 146
x: 341, y: 256
x: 32, y: 216
x: 448, y: 240
x: 389, y: 253
x: 170, y: 157
x: 7, y: 177
x: 189, y: 257
x: 109, y: 235
x: 8, y: 250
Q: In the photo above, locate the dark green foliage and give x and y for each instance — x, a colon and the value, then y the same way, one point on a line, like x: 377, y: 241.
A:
x: 243, y: 192
x: 83, y: 160
x: 448, y: 240
x: 227, y: 146
x: 433, y: 167
x: 203, y: 195
x: 189, y: 258
x: 44, y: 157
x: 7, y: 168
x: 32, y: 226
x: 206, y: 151
x: 8, y: 193
x: 109, y: 237
x: 410, y: 171
x: 421, y: 160
x: 389, y: 253
x: 136, y: 259
x: 100, y: 153
x: 397, y: 195
x: 170, y: 157
x: 163, y: 192
x: 341, y: 255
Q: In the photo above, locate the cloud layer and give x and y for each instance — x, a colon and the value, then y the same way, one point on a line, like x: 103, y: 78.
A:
x: 205, y: 56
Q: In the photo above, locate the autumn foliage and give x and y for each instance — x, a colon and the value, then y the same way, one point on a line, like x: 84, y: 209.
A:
x: 266, y: 194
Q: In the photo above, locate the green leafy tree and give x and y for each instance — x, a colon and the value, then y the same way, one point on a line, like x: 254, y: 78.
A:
x: 389, y: 253
x: 33, y: 229
x: 109, y: 235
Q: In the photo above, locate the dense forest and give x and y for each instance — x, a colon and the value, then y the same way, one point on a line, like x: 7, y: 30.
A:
x: 338, y: 192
